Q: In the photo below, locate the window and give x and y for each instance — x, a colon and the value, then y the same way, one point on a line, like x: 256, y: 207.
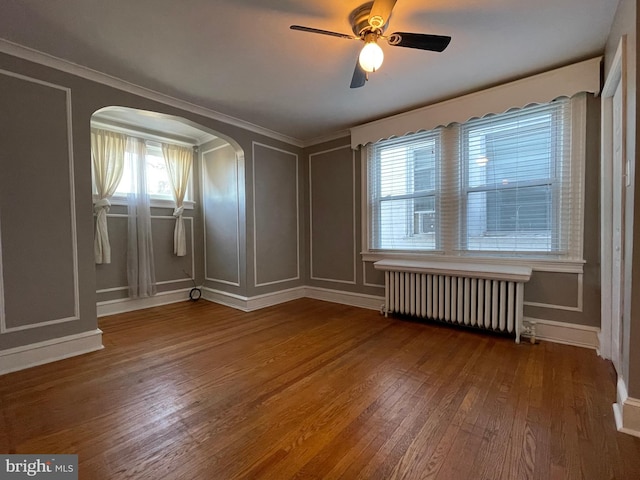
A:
x: 158, y: 183
x: 405, y: 191
x: 503, y: 185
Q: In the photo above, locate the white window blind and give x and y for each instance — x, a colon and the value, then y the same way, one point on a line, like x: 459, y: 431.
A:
x: 503, y: 185
x: 404, y: 181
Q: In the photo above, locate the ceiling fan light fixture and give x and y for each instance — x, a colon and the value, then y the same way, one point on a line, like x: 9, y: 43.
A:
x: 371, y: 56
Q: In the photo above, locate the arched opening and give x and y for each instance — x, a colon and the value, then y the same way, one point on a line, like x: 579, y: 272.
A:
x: 160, y: 224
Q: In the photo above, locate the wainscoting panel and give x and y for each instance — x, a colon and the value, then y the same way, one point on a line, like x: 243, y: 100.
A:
x: 37, y: 194
x: 276, y: 216
x: 332, y: 215
x: 221, y: 205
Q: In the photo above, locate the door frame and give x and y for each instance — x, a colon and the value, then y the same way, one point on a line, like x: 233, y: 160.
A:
x: 617, y: 76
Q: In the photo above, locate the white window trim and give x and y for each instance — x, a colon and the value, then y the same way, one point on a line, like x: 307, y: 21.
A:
x: 560, y: 265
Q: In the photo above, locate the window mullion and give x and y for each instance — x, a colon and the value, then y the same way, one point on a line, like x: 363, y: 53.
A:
x: 449, y: 201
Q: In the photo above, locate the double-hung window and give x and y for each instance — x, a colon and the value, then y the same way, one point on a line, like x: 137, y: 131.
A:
x: 404, y: 191
x: 504, y: 185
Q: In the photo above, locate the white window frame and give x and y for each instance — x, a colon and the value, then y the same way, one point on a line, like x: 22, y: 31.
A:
x: 572, y: 264
x: 410, y: 180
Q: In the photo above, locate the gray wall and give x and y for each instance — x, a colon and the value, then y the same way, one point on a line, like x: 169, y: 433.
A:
x: 46, y: 206
x: 335, y: 233
x: 626, y: 23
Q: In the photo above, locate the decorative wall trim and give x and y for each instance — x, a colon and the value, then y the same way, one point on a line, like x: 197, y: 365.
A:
x: 52, y: 350
x: 163, y: 282
x: 47, y: 60
x: 193, y: 251
x: 255, y: 236
x: 565, y: 333
x: 364, y: 278
x: 370, y: 302
x: 109, y: 290
x: 579, y: 300
x: 122, y: 305
x: 72, y: 213
x: 355, y: 247
x: 626, y: 411
x: 203, y: 189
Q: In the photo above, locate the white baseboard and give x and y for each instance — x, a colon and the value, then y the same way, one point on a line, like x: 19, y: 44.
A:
x: 371, y: 302
x: 225, y: 298
x: 565, y: 333
x: 270, y: 299
x: 626, y: 411
x: 249, y: 304
x: 27, y: 356
x: 122, y: 305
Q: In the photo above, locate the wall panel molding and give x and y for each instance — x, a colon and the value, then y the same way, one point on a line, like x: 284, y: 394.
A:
x: 364, y: 278
x: 163, y: 282
x: 567, y: 308
x: 72, y: 214
x: 255, y: 235
x: 204, y: 214
x: 51, y: 61
x: 355, y: 246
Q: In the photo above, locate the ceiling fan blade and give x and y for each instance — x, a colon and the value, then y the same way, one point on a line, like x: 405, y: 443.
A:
x: 359, y: 77
x: 323, y: 32
x: 380, y: 13
x: 422, y: 41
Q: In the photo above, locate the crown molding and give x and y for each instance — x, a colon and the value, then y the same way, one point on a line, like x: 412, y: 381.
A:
x: 47, y: 60
x: 327, y: 138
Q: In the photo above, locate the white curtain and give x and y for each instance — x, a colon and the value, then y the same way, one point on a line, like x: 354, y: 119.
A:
x: 179, y: 161
x: 140, y: 267
x: 107, y: 155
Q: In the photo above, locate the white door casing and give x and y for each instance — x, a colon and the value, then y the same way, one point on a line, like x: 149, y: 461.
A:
x: 613, y: 168
x: 617, y: 234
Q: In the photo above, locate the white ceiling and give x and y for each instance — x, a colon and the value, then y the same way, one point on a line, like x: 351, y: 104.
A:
x: 239, y: 57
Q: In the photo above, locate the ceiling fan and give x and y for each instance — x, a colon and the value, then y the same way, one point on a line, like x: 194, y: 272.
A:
x: 369, y: 23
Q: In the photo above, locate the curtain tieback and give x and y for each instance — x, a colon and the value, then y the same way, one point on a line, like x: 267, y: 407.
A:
x: 102, y: 204
x: 177, y: 212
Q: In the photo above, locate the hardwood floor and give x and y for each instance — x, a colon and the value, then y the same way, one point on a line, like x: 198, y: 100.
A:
x: 314, y: 390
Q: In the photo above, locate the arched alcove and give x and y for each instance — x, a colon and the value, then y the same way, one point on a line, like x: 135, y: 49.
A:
x: 213, y: 211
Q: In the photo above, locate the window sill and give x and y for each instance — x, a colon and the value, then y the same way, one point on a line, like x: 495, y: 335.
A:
x: 536, y: 264
x: 155, y: 202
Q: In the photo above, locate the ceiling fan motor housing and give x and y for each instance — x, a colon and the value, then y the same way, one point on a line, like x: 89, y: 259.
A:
x: 360, y: 22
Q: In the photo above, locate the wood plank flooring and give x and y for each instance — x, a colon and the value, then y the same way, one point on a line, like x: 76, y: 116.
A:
x: 314, y: 390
